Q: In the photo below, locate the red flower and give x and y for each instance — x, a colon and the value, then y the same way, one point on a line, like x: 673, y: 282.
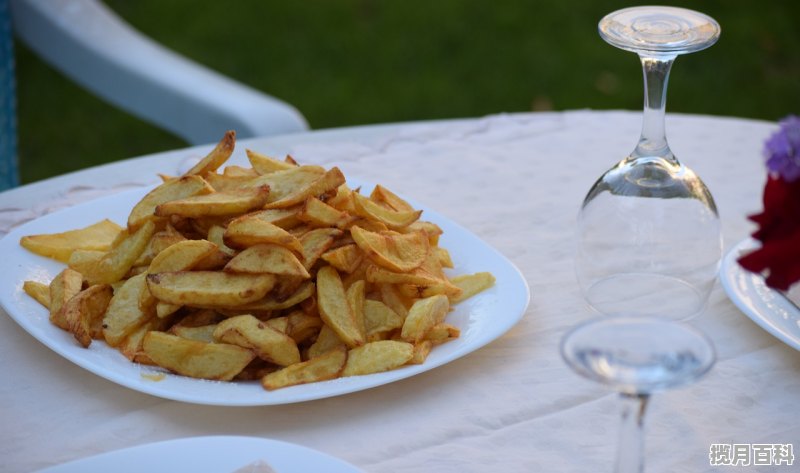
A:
x: 779, y: 233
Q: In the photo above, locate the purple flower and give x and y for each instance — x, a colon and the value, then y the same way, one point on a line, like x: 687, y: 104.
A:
x: 782, y: 149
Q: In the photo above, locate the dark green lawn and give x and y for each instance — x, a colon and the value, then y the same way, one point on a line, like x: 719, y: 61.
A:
x: 349, y: 62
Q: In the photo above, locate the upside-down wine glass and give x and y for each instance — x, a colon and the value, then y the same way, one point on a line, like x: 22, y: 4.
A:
x: 637, y: 356
x: 649, y: 237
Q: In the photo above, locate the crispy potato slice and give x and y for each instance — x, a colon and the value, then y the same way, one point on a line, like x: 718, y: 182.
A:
x: 131, y: 346
x: 335, y: 309
x: 326, y: 341
x: 271, y: 302
x: 471, y: 284
x: 343, y: 200
x: 394, y: 300
x: 302, y: 326
x: 423, y: 315
x: 39, y: 291
x: 316, y: 242
x: 319, y: 214
x: 115, y: 264
x: 82, y: 260
x: 344, y: 258
x: 284, y: 183
x: 391, y: 218
x: 285, y: 218
x: 60, y: 246
x: 379, y: 320
x: 401, y: 252
x: 204, y: 333
x: 383, y: 195
x: 219, y: 361
x: 431, y: 229
x: 323, y: 367
x: 267, y: 258
x: 158, y: 243
x: 356, y: 299
x: 376, y: 357
x: 209, y: 289
x: 84, y: 312
x: 124, y: 313
x: 248, y: 231
x: 63, y: 287
x: 326, y: 183
x: 269, y: 344
x: 217, y: 157
x: 445, y: 261
x: 173, y: 189
x: 181, y: 256
x: 264, y: 164
x: 421, y: 352
x: 216, y: 235
x: 442, y: 332
x: 235, y: 201
x: 228, y: 182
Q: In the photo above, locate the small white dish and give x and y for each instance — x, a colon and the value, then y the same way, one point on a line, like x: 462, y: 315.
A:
x: 220, y: 454
x: 481, y: 319
x: 768, y: 308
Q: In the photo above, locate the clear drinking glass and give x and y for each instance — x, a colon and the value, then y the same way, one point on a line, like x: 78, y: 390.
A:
x: 649, y: 237
x: 637, y: 356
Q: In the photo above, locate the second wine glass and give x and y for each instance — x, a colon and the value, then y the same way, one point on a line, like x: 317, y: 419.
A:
x: 649, y: 239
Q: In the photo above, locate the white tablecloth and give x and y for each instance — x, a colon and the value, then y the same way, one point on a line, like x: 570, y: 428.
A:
x: 517, y: 182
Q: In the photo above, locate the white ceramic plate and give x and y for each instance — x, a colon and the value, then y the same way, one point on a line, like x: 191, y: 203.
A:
x: 482, y: 318
x: 765, y: 306
x: 209, y: 455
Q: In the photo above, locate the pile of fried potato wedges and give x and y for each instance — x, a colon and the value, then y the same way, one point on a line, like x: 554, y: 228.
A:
x: 279, y: 272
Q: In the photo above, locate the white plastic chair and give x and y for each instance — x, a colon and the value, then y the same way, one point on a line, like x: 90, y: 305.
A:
x: 89, y: 43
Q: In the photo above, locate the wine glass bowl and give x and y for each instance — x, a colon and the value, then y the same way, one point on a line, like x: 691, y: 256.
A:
x: 649, y: 239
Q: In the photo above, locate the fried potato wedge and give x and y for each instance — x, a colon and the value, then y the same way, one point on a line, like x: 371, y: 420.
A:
x: 376, y: 357
x: 217, y: 157
x: 63, y: 287
x: 264, y: 164
x: 286, y: 182
x: 321, y: 368
x: 39, y: 291
x: 203, y: 333
x: 269, y: 344
x: 235, y: 201
x: 124, y: 313
x: 115, y: 264
x: 285, y: 218
x: 316, y: 242
x: 319, y: 214
x: 326, y: 341
x: 383, y: 195
x: 209, y: 289
x: 218, y: 361
x: 60, y: 246
x: 335, y: 309
x: 391, y: 218
x: 379, y: 320
x: 326, y: 183
x: 267, y: 258
x: 344, y: 258
x: 423, y: 315
x: 401, y: 252
x: 271, y: 302
x: 471, y: 284
x: 84, y: 312
x: 250, y: 230
x: 172, y: 189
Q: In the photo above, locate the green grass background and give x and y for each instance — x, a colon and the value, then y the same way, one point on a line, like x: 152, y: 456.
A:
x: 352, y: 62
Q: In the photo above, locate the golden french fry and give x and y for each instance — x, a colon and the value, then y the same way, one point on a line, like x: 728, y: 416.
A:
x: 335, y: 309
x: 217, y: 157
x: 267, y: 258
x: 63, y: 287
x: 60, y: 246
x: 379, y: 320
x: 82, y: 260
x: 115, y: 264
x: 216, y: 235
x: 235, y: 201
x: 316, y: 242
x: 445, y: 261
x: 269, y: 344
x: 319, y: 214
x: 321, y: 368
x: 431, y: 229
x: 442, y: 332
x: 326, y: 341
x: 39, y: 291
x: 208, y: 289
x: 124, y: 313
x: 172, y: 189
x: 344, y: 258
x: 421, y: 352
x: 401, y: 252
x: 284, y: 183
x: 181, y: 256
x: 471, y: 284
x: 264, y: 164
x: 328, y: 182
x: 356, y: 299
x: 394, y: 299
x: 218, y: 361
x: 376, y: 357
x: 250, y: 230
x: 384, y: 195
x: 391, y: 218
x: 423, y: 315
x: 203, y: 333
x: 285, y: 218
x: 84, y: 312
x: 269, y: 303
x: 302, y: 326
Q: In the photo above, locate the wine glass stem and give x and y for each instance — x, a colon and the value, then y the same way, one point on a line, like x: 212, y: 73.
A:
x: 653, y: 141
x: 630, y: 453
